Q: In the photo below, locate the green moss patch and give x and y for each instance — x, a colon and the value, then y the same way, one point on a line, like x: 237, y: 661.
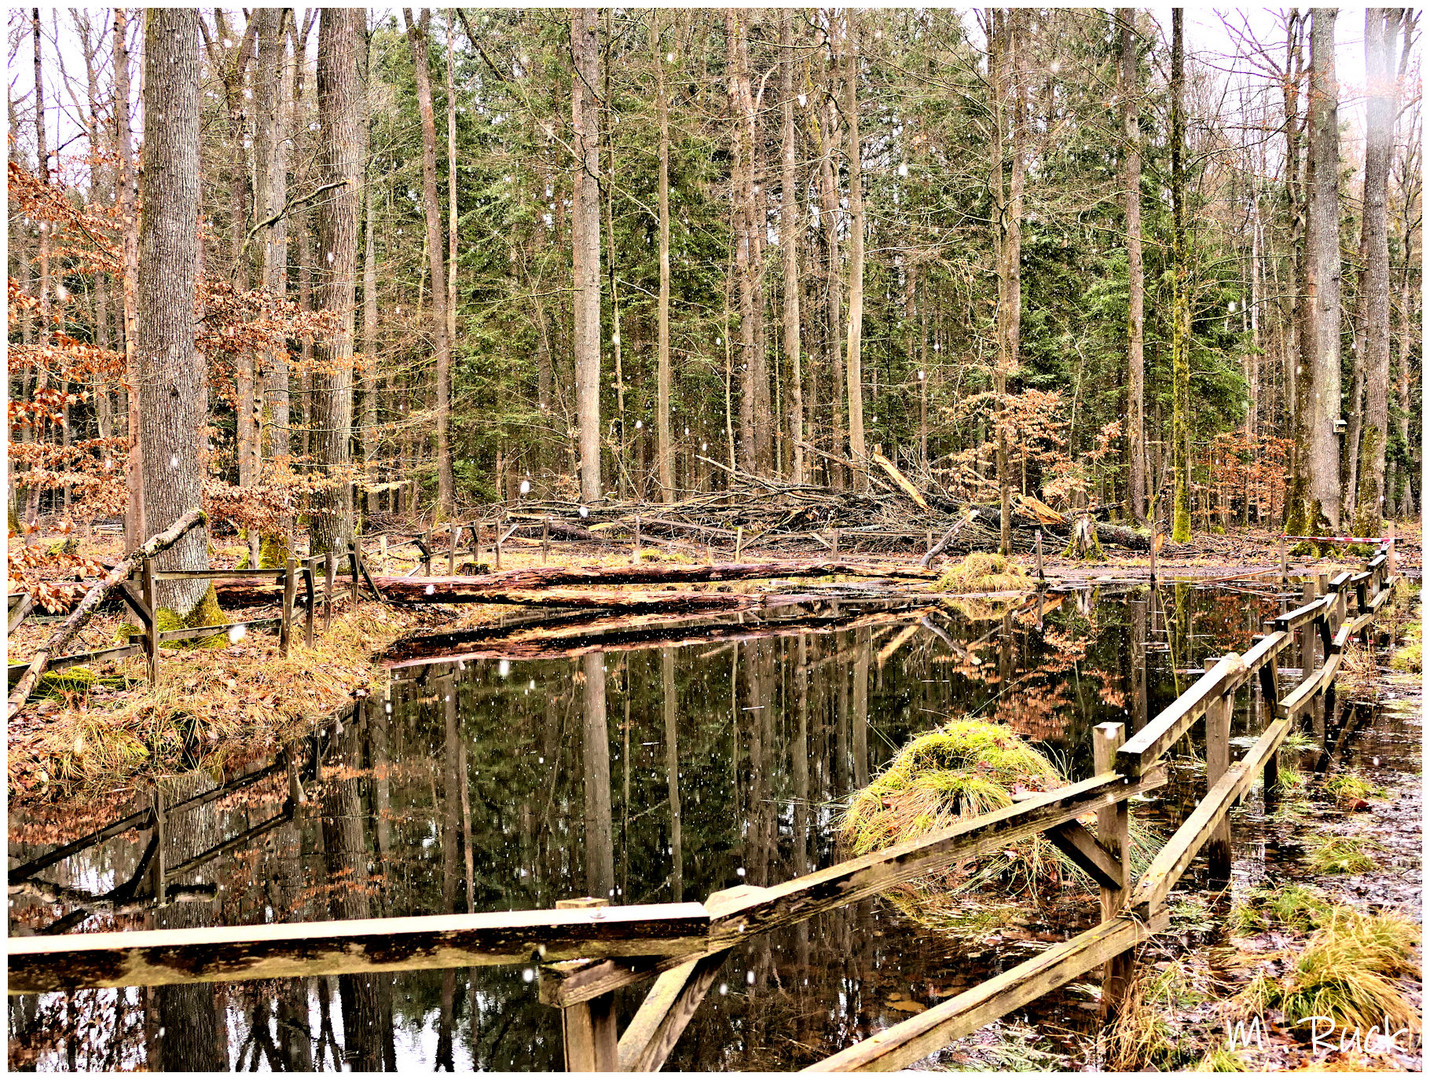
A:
x: 983, y: 571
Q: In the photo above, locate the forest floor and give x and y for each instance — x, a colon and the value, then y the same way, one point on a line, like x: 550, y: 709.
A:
x: 235, y: 697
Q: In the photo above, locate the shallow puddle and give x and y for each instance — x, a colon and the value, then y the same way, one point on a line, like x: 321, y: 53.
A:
x: 640, y: 773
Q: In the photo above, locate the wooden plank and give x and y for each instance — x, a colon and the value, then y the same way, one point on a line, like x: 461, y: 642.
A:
x: 19, y: 610
x: 277, y: 950
x: 916, y: 1038
x: 1304, y: 614
x: 208, y: 631
x: 855, y: 879
x: 1299, y: 700
x: 1087, y: 854
x: 1139, y: 752
x: 1114, y: 834
x: 217, y: 575
x: 1266, y: 650
x: 666, y: 1012
x: 1218, y: 761
x: 1176, y: 855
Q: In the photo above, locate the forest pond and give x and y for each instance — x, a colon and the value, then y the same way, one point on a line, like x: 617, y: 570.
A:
x: 642, y: 772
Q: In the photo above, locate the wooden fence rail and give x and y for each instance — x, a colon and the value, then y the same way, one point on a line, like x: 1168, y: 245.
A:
x: 590, y: 952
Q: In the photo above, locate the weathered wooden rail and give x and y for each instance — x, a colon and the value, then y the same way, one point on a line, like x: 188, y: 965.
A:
x: 590, y: 950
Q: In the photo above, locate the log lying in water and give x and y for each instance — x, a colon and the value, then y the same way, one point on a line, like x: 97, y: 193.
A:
x: 517, y: 586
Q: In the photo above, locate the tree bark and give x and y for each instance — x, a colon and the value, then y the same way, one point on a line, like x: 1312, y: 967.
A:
x: 1322, y: 352
x: 828, y: 201
x: 665, y: 456
x: 370, y: 343
x: 270, y: 171
x: 341, y: 118
x: 789, y: 241
x: 417, y: 41
x: 586, y: 247
x: 853, y: 368
x: 1181, y: 303
x: 1382, y: 27
x: 174, y: 399
x: 134, y: 532
x: 1005, y: 33
x: 1132, y: 201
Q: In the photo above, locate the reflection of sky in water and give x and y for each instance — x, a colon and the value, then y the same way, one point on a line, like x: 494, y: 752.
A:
x: 764, y: 740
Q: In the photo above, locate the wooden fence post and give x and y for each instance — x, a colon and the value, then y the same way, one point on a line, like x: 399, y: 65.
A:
x: 290, y: 587
x: 454, y: 535
x: 382, y: 550
x: 426, y: 554
x: 330, y: 579
x: 1308, y: 636
x: 1037, y: 551
x: 1270, y: 697
x: 740, y: 541
x: 588, y: 1028
x: 310, y: 577
x: 834, y: 545
x: 545, y: 539
x: 152, y: 630
x: 636, y: 544
x: 476, y: 547
x: 1218, y: 761
x: 496, y: 548
x: 1112, y: 833
x: 1281, y: 550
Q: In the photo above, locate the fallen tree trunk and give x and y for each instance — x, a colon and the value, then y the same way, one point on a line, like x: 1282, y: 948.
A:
x: 485, y: 588
x: 938, y: 548
x: 55, y: 645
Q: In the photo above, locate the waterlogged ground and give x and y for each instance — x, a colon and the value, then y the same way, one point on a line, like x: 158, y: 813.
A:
x: 652, y: 774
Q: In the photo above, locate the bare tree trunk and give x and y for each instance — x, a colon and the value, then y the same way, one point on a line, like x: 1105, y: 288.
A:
x: 270, y: 173
x: 742, y: 182
x: 42, y: 156
x: 134, y: 531
x: 664, y: 454
x: 1005, y: 34
x: 586, y: 247
x: 341, y: 157
x: 789, y: 240
x: 174, y: 405
x: 1382, y: 26
x: 1181, y: 304
x: 854, y: 371
x: 1132, y: 200
x: 1323, y: 257
x: 828, y: 201
x: 417, y: 40
x: 370, y: 343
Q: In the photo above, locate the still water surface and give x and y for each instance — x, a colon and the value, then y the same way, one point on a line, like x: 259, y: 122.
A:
x: 642, y: 773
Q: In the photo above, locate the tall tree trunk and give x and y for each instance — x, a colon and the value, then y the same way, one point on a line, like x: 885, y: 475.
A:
x: 834, y: 320
x: 341, y: 155
x: 270, y: 174
x: 1132, y: 201
x: 42, y: 157
x: 1005, y: 36
x: 1322, y: 356
x: 854, y: 370
x: 451, y: 88
x: 417, y: 41
x: 742, y: 182
x: 134, y: 531
x: 664, y: 454
x: 174, y: 401
x: 789, y: 240
x: 1181, y: 303
x: 586, y: 247
x: 1297, y: 376
x: 1382, y: 26
x: 370, y: 343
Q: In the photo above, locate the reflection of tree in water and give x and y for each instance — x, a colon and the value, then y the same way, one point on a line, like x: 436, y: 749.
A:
x: 725, y: 766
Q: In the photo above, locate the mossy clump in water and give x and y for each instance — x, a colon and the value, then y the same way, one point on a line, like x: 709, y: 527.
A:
x: 1344, y: 855
x: 965, y: 768
x: 77, y: 680
x: 983, y: 571
x: 1410, y: 656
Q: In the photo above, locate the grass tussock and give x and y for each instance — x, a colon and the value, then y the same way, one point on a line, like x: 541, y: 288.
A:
x: 1409, y: 656
x: 983, y: 571
x: 1348, y: 789
x: 1344, y: 855
x: 963, y: 769
x: 1292, y: 906
x: 207, y: 704
x: 1141, y: 1037
x: 1349, y: 971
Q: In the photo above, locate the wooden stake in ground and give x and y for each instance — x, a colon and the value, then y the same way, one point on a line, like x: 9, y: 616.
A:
x: 87, y: 607
x: 938, y: 548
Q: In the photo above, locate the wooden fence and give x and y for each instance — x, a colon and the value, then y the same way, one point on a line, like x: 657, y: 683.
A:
x: 590, y: 950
